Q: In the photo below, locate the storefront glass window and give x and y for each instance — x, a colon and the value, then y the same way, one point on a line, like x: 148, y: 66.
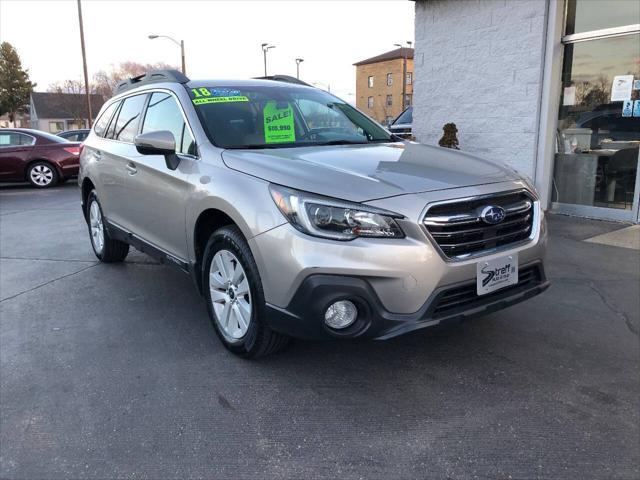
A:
x: 587, y: 15
x: 598, y: 126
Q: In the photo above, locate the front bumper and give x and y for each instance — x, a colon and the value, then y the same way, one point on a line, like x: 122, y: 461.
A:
x: 304, y: 316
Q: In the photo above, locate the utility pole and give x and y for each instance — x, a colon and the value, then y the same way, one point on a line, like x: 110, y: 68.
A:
x: 84, y: 67
x: 265, y: 48
x: 298, y: 62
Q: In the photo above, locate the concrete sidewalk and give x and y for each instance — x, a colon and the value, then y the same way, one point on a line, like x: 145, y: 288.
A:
x: 113, y: 371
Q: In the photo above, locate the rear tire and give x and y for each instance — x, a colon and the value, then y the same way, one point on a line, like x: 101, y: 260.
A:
x: 106, y: 248
x: 42, y: 174
x: 235, y: 298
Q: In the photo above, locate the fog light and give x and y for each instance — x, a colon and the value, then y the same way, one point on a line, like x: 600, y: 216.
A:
x: 340, y: 314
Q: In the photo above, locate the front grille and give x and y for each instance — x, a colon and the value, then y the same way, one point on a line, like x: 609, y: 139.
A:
x: 459, y: 230
x: 465, y: 297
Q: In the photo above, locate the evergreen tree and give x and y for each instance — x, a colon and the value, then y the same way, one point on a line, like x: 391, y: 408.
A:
x: 15, y: 86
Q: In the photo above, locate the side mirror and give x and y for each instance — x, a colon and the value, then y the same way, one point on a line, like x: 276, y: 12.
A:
x: 161, y: 142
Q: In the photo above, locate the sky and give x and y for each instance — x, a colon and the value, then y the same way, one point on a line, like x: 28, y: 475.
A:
x: 222, y: 38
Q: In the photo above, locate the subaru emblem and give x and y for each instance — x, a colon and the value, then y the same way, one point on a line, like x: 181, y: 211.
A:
x: 492, y: 214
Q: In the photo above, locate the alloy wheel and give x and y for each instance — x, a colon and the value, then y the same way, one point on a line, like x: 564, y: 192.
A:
x: 230, y: 295
x: 96, y: 226
x: 41, y: 175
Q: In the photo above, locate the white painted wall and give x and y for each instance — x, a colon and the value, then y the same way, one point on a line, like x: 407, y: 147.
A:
x: 479, y: 64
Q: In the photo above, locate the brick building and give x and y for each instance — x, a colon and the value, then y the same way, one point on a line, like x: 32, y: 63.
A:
x: 379, y: 84
x: 550, y: 87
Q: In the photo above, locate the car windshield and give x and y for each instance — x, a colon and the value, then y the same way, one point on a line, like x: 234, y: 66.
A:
x: 405, y: 117
x: 281, y: 117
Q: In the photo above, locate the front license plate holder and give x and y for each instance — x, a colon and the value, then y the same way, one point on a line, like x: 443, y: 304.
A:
x: 497, y: 273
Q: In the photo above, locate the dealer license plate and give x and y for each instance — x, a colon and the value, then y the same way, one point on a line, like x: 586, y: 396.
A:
x: 492, y: 275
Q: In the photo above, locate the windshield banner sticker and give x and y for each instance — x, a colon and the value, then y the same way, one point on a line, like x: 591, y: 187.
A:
x: 216, y: 95
x: 278, y: 123
x: 200, y: 101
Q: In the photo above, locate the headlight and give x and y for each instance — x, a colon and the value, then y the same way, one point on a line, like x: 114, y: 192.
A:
x: 335, y: 219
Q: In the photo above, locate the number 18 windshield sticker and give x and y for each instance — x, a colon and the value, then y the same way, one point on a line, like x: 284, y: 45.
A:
x: 203, y: 95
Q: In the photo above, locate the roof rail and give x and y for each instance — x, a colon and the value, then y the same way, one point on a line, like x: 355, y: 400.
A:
x: 153, y: 76
x: 284, y: 78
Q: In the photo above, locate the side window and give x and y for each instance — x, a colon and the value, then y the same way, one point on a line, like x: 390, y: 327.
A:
x: 7, y: 139
x: 163, y: 113
x: 100, y: 126
x: 13, y: 139
x: 26, y: 139
x: 126, y: 126
x: 112, y: 124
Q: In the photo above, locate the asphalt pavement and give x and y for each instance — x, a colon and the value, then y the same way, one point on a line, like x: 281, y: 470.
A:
x: 113, y: 371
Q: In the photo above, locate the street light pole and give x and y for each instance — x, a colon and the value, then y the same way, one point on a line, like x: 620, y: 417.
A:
x: 84, y: 66
x: 298, y: 62
x: 179, y: 43
x: 404, y: 99
x: 265, y: 48
x: 184, y: 67
x: 404, y: 74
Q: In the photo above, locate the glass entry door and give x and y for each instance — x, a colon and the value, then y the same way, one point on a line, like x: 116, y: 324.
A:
x: 598, y: 133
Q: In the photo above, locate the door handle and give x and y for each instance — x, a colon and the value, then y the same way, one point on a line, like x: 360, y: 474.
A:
x: 97, y: 154
x: 131, y: 168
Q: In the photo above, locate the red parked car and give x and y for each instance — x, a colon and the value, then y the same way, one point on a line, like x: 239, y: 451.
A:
x: 37, y: 157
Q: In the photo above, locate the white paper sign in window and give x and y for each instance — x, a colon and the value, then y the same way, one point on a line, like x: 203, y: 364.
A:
x: 621, y: 88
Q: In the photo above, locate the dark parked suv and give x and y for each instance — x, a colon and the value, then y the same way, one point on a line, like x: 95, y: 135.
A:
x: 37, y: 157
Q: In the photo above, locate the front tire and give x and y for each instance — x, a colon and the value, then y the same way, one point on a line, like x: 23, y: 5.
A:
x: 106, y: 248
x: 235, y: 299
x: 42, y: 175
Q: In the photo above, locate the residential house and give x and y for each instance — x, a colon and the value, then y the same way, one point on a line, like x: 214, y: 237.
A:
x: 55, y: 111
x: 21, y: 121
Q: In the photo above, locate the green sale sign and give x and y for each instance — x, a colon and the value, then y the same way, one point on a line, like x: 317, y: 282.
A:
x: 278, y: 123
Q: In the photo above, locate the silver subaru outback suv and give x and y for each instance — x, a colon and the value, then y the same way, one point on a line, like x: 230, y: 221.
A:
x: 298, y: 216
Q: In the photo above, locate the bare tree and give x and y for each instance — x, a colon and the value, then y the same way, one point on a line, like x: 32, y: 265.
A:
x: 105, y: 82
x: 72, y: 105
x: 67, y: 86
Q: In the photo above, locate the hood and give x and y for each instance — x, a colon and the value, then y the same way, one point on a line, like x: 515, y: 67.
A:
x: 361, y: 173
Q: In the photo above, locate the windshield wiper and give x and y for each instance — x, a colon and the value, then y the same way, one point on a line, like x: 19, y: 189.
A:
x: 341, y: 142
x: 256, y: 146
x: 302, y: 144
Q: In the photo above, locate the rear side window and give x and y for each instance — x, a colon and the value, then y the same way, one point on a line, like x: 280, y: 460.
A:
x: 112, y: 123
x: 13, y: 139
x: 101, y: 124
x: 126, y: 126
x: 163, y: 113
